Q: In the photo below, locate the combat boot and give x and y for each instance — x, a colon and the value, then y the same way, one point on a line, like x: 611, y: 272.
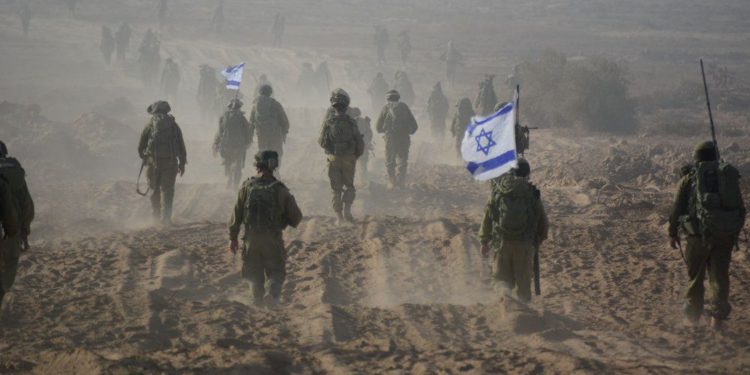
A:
x: 348, y: 213
x: 339, y: 218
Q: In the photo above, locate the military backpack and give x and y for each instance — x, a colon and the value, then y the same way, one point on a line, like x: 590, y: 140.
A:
x: 235, y: 132
x: 263, y: 212
x: 514, y: 202
x: 341, y: 137
x: 717, y: 200
x: 161, y: 143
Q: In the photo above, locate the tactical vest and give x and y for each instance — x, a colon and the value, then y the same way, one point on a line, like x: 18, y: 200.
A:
x: 342, y: 137
x: 161, y: 143
x: 235, y: 133
x: 263, y: 213
x: 514, y: 201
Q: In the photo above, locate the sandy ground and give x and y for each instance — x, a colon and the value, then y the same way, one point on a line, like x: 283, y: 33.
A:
x: 404, y: 290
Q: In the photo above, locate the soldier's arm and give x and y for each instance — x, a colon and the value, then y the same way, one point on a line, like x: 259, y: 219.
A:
x: 293, y: 213
x: 181, y: 150
x: 412, y: 121
x: 283, y: 120
x: 680, y: 205
x: 248, y: 131
x: 8, y: 211
x: 27, y: 207
x: 485, y: 230
x: 359, y: 139
x: 235, y: 222
x: 380, y: 123
x: 251, y: 123
x: 143, y: 142
x: 543, y: 224
x: 219, y: 133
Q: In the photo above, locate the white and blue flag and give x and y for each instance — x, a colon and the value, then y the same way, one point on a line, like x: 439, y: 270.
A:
x: 489, y: 144
x: 233, y: 75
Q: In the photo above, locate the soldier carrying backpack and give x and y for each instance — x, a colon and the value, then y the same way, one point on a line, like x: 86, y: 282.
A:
x: 709, y: 209
x: 162, y: 150
x: 397, y: 123
x: 264, y: 207
x: 514, y: 225
x: 232, y: 141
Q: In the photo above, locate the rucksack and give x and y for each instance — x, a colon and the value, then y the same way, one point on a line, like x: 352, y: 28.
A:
x: 161, y: 143
x: 262, y: 209
x: 717, y: 200
x: 342, y: 138
x: 398, y: 120
x: 235, y: 135
x: 514, y: 200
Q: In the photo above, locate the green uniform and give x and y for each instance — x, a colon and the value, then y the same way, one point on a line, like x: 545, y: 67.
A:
x: 398, y: 124
x: 9, y: 242
x: 710, y: 256
x: 232, y: 141
x: 269, y: 121
x: 14, y: 174
x: 265, y: 207
x: 514, y: 252
x: 437, y: 110
x: 461, y: 119
x: 343, y: 144
x: 165, y: 155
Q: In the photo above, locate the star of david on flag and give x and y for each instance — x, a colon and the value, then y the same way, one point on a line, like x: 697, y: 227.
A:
x: 233, y: 75
x: 489, y: 144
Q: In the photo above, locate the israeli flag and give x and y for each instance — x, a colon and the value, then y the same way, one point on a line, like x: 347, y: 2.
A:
x: 489, y: 144
x: 233, y: 75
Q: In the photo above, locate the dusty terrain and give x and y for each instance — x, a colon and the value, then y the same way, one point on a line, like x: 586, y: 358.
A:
x: 402, y: 291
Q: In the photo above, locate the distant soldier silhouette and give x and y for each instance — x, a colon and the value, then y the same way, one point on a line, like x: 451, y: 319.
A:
x: 208, y: 85
x: 402, y: 84
x: 377, y: 91
x: 122, y: 40
x: 381, y: 42
x: 24, y: 13
x: 278, y: 28
x: 149, y: 58
x: 486, y: 99
x: 268, y: 121
x: 404, y: 45
x: 397, y: 123
x: 437, y: 111
x: 232, y: 141
x: 217, y: 21
x: 162, y: 13
x: 170, y: 79
x: 107, y: 45
x: 461, y: 119
x: 452, y: 59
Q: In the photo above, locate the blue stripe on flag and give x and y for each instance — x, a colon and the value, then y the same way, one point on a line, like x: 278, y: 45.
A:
x: 233, y: 83
x: 503, y: 111
x: 493, y: 163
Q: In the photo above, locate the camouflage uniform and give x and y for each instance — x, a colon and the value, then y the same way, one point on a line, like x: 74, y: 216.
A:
x: 13, y: 173
x: 460, y: 122
x: 514, y: 254
x: 343, y: 145
x: 486, y: 99
x: 232, y: 141
x: 264, y: 207
x: 163, y: 165
x: 437, y: 110
x: 702, y: 255
x: 398, y: 124
x: 9, y: 242
x: 268, y: 120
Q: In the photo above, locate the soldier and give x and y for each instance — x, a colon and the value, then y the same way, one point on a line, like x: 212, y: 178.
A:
x: 260, y: 81
x: 122, y: 40
x: 323, y: 78
x: 269, y: 122
x: 514, y: 225
x: 107, y: 45
x: 232, y: 141
x: 377, y: 91
x: 14, y: 174
x: 402, y: 84
x: 437, y: 111
x: 486, y: 99
x: 9, y: 244
x: 162, y: 149
x: 452, y: 58
x: 207, y: 87
x: 265, y: 207
x: 365, y: 129
x: 306, y: 81
x: 149, y: 58
x: 708, y: 207
x: 404, y: 45
x: 381, y: 41
x: 461, y: 120
x: 25, y: 15
x: 398, y: 124
x: 217, y: 21
x: 343, y: 145
x: 170, y: 79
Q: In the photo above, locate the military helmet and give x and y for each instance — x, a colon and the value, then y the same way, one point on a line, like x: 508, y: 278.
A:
x: 267, y: 159
x: 523, y: 169
x: 705, y: 151
x: 159, y: 106
x: 235, y: 104
x: 265, y: 90
x: 3, y: 149
x: 340, y: 97
x: 392, y: 95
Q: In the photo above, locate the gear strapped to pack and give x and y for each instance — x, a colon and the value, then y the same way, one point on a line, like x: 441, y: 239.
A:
x: 514, y: 200
x: 262, y: 209
x: 717, y: 200
x: 161, y: 140
x: 235, y: 133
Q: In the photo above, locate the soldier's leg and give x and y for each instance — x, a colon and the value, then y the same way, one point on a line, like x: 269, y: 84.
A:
x: 274, y: 264
x: 336, y: 178
x: 153, y: 181
x: 502, y: 270
x: 403, y: 162
x: 696, y: 256
x: 718, y: 277
x: 168, y: 179
x: 523, y: 266
x: 11, y: 251
x: 390, y: 161
x: 349, y: 168
x: 252, y: 270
